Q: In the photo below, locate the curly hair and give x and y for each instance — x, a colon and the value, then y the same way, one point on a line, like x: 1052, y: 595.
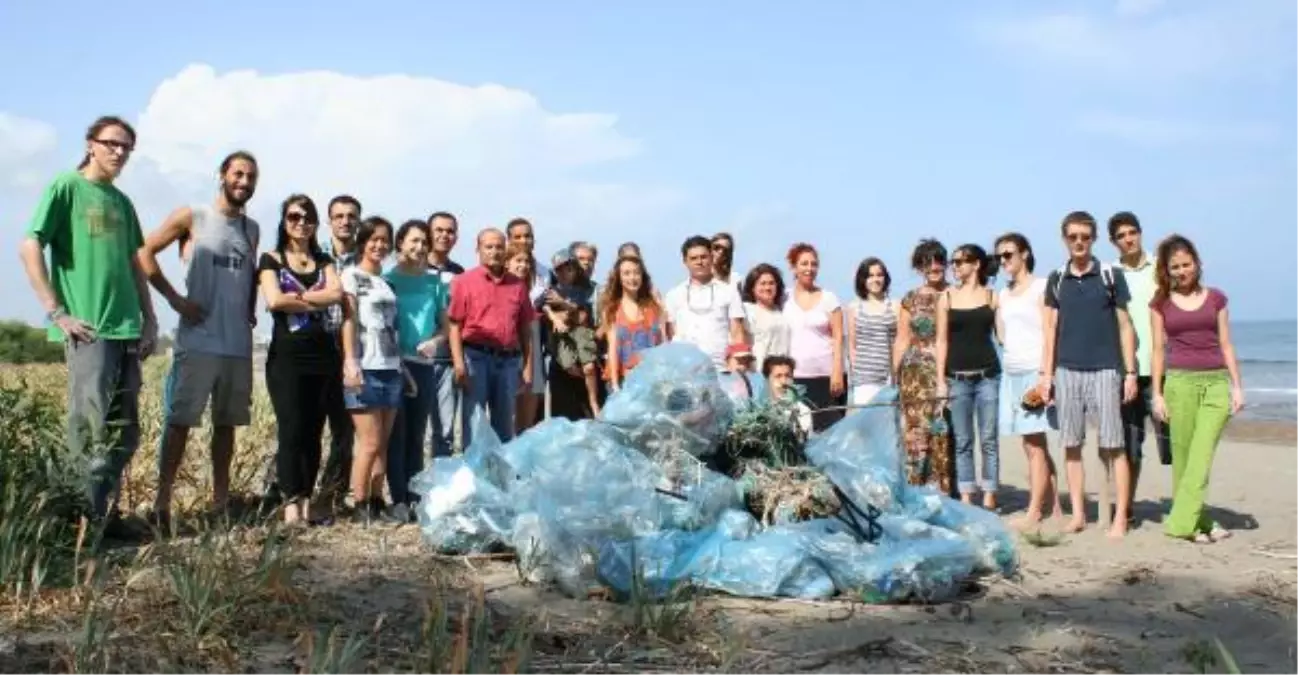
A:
x: 797, y: 250
x: 610, y: 298
x: 927, y: 252
x: 755, y: 275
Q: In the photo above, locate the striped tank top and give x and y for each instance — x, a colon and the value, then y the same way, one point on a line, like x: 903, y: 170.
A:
x: 872, y: 346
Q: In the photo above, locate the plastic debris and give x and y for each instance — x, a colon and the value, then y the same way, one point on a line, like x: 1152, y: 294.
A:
x: 631, y: 502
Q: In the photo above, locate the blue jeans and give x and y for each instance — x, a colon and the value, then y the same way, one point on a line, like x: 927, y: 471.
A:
x: 406, y: 447
x: 494, y: 380
x: 449, y: 410
x: 975, y: 399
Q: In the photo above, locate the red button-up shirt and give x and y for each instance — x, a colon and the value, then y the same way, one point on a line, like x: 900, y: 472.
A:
x: 490, y: 311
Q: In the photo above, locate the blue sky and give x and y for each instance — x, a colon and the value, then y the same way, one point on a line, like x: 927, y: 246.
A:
x: 858, y: 126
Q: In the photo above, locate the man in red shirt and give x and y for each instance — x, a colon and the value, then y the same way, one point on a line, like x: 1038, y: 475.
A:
x: 490, y: 322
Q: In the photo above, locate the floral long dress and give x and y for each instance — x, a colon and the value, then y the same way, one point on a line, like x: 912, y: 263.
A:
x: 925, y: 431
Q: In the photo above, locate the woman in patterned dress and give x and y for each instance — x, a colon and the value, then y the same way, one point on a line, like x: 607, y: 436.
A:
x: 925, y: 432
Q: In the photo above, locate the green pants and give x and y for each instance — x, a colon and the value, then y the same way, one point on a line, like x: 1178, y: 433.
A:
x: 1198, y: 407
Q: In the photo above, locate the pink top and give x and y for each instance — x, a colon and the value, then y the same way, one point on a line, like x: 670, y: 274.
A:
x: 810, y: 341
x: 1193, y: 342
x: 490, y: 311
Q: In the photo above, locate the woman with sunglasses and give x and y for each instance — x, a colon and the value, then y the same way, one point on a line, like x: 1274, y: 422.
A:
x: 723, y: 258
x: 925, y: 430
x: 763, y: 294
x: 1020, y: 315
x: 969, y: 371
x: 299, y: 284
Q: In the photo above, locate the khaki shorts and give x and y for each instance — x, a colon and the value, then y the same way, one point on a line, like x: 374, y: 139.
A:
x: 194, y: 378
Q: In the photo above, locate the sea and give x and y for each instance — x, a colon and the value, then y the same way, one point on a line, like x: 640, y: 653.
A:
x: 1268, y: 364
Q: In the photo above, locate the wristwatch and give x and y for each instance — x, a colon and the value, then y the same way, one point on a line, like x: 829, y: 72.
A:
x: 55, y: 314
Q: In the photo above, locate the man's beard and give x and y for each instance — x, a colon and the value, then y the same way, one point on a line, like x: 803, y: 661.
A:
x: 232, y: 199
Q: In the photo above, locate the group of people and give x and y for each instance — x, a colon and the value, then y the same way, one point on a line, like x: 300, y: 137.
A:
x: 377, y: 333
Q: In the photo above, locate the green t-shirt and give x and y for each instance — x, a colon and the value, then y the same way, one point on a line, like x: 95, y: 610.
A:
x: 421, y: 302
x: 93, y: 233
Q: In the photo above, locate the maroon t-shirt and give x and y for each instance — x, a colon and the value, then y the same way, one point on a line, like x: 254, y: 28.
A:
x: 1193, y: 342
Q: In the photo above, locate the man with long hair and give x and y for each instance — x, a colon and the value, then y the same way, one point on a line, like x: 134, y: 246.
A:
x: 96, y: 300
x: 213, y: 353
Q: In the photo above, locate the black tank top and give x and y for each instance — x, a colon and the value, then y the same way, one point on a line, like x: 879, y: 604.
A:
x: 970, y: 335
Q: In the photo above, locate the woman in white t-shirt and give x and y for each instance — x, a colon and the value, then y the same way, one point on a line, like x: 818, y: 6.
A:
x: 815, y: 320
x: 373, y: 379
x: 1019, y: 313
x: 763, y: 294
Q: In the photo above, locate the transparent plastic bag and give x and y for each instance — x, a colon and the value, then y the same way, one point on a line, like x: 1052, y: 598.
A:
x: 672, y: 398
x: 861, y: 454
x: 985, y: 533
x: 459, y: 512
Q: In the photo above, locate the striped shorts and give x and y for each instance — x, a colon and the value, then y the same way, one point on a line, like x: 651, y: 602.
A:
x: 1094, y: 395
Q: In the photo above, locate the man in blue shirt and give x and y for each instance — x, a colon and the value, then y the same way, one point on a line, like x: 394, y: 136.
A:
x: 1089, y: 358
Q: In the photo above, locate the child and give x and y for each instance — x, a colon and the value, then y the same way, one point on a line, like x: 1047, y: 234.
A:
x: 738, y: 381
x: 778, y: 371
x: 572, y: 333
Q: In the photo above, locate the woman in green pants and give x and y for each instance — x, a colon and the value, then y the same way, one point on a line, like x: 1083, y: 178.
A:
x: 1196, y: 382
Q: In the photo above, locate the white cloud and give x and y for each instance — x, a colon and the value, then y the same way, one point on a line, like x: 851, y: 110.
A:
x: 1160, y: 132
x: 406, y: 146
x: 1152, y: 42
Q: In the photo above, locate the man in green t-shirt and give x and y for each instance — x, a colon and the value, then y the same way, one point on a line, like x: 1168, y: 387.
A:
x: 97, y: 302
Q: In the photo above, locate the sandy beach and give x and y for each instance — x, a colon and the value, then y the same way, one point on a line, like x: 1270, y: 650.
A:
x: 1088, y: 604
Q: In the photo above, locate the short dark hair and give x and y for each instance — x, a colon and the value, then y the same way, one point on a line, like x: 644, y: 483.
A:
x: 863, y: 273
x: 927, y: 252
x: 370, y: 227
x: 344, y: 199
x: 775, y: 361
x: 509, y: 227
x: 1077, y: 218
x: 236, y: 156
x: 444, y: 214
x: 986, y: 267
x: 1122, y: 218
x: 695, y: 241
x: 408, y: 226
x: 755, y: 275
x: 1021, y: 243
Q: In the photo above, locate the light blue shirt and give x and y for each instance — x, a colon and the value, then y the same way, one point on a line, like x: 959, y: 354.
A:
x: 421, y: 302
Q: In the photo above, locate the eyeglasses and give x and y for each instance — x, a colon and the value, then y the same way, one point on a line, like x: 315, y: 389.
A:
x: 124, y: 148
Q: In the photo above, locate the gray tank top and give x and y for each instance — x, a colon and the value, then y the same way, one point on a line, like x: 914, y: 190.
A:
x: 219, y: 273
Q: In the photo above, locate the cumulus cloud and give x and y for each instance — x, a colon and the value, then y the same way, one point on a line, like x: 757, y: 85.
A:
x: 406, y: 146
x: 1149, y: 131
x: 1153, y: 42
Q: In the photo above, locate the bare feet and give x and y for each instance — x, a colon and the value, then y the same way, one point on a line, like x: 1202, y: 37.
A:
x: 989, y: 502
x: 1075, y: 525
x: 1027, y: 521
x: 1218, y: 533
x: 966, y: 498
x: 1119, y: 528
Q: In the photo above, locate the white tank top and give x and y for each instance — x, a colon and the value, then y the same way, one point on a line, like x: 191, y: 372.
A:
x: 1021, y: 315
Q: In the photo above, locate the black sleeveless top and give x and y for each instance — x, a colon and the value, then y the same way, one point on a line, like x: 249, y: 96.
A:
x: 970, y: 339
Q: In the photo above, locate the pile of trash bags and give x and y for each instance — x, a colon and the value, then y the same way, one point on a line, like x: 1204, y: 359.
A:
x: 628, y: 503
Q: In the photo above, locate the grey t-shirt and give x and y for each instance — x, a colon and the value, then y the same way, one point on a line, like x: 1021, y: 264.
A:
x: 220, y: 267
x: 1087, y: 329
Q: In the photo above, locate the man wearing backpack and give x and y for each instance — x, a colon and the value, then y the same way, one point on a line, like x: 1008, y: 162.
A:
x: 1088, y: 364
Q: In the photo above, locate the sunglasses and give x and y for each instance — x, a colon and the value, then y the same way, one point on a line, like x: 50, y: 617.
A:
x: 1005, y: 255
x: 960, y: 261
x: 1079, y: 238
x: 296, y: 217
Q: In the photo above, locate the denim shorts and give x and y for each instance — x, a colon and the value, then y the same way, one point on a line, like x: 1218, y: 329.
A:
x: 379, y: 389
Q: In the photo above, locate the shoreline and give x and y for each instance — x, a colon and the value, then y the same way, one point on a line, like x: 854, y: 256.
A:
x: 1264, y: 432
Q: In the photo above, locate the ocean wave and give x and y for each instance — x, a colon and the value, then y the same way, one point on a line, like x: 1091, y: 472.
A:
x: 1269, y: 362
x: 1271, y: 390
